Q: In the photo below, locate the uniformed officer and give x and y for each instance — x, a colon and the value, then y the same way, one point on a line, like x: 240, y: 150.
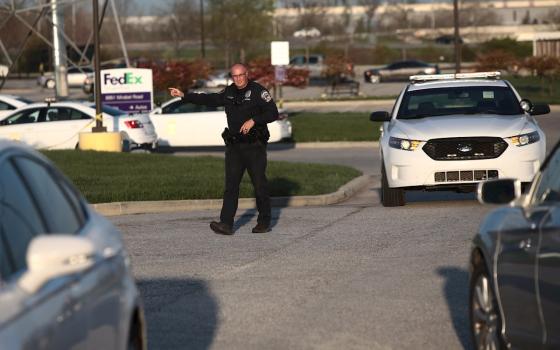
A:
x: 249, y: 107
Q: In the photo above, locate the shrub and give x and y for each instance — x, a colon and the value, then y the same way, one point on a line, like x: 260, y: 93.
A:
x: 181, y: 74
x: 262, y: 71
x: 496, y: 60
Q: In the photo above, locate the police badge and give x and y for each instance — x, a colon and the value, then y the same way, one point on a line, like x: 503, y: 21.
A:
x: 266, y: 96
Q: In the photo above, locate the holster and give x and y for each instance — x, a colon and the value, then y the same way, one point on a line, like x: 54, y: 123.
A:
x: 256, y: 134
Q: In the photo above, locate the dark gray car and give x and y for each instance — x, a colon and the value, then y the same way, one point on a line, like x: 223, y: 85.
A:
x: 515, y: 264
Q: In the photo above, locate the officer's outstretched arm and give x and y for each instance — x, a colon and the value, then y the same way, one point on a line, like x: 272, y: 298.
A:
x: 214, y: 99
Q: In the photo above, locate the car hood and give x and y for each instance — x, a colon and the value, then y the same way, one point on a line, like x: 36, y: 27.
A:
x: 462, y: 126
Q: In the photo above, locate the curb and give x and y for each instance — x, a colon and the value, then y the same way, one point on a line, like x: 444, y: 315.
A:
x: 337, y: 144
x: 149, y: 207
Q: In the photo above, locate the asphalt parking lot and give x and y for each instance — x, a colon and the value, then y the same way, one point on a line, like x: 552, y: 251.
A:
x: 354, y: 275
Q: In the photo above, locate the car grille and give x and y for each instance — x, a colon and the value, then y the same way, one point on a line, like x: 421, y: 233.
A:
x: 465, y: 148
x: 465, y: 175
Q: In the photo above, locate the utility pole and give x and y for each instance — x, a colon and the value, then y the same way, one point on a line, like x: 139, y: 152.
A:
x: 457, y: 37
x: 96, y: 67
x: 202, y: 50
x: 59, y: 51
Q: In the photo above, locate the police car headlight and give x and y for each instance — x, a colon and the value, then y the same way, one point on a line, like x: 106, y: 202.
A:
x: 525, y: 139
x: 404, y: 144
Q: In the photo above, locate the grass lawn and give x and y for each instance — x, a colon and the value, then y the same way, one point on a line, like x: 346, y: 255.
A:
x: 113, y: 177
x: 537, y: 89
x: 351, y: 126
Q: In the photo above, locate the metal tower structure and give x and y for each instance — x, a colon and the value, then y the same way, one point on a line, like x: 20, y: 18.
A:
x: 51, y: 12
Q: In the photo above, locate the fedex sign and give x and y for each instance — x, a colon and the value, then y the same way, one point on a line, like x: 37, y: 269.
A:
x: 128, y: 89
x: 126, y: 78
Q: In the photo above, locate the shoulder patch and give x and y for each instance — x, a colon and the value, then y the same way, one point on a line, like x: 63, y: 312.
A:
x: 265, y: 95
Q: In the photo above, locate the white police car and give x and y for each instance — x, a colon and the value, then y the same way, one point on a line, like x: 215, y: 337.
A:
x: 451, y: 131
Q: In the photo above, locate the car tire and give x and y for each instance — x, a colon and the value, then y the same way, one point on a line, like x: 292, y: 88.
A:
x: 135, y: 338
x: 390, y: 197
x: 484, y: 314
x: 50, y: 84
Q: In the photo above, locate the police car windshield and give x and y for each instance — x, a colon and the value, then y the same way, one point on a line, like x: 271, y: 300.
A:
x: 110, y: 110
x: 459, y: 101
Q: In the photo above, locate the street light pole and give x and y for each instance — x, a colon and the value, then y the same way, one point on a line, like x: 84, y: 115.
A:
x: 457, y: 38
x: 202, y: 50
x: 97, y: 82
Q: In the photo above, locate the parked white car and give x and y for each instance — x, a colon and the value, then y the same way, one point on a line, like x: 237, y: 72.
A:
x: 219, y: 80
x: 8, y: 103
x: 57, y: 125
x: 452, y: 131
x: 76, y: 77
x: 65, y: 278
x: 180, y: 124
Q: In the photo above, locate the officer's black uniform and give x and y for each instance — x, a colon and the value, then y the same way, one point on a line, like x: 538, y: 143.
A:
x: 242, y: 152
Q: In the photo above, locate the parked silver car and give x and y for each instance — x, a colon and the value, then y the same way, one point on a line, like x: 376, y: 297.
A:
x: 515, y: 264
x: 65, y: 279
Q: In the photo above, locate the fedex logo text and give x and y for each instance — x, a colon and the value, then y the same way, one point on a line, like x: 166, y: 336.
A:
x: 127, y: 78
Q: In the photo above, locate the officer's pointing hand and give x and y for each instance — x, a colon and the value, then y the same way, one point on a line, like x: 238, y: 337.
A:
x: 247, y: 126
x: 176, y: 92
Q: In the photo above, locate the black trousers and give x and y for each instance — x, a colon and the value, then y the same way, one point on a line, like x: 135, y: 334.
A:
x: 250, y: 157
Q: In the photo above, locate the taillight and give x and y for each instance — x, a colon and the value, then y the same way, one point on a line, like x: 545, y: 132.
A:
x: 282, y: 116
x: 133, y: 124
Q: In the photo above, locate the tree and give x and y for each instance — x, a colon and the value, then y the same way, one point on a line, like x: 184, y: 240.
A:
x: 183, y: 23
x: 370, y: 9
x: 239, y: 27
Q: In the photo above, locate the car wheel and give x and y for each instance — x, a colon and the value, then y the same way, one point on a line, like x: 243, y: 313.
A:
x: 50, y: 84
x: 135, y: 338
x: 485, y: 319
x: 390, y: 197
x: 374, y: 79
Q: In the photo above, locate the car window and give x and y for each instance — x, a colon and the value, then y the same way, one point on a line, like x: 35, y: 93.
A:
x: 61, y: 215
x: 55, y: 114
x: 182, y: 107
x: 313, y: 60
x: 5, y: 107
x: 459, y: 100
x: 548, y: 190
x: 20, y: 220
x: 298, y: 60
x: 24, y: 100
x: 24, y: 117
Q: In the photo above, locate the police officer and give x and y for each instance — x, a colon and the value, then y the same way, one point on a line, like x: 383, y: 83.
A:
x: 249, y: 107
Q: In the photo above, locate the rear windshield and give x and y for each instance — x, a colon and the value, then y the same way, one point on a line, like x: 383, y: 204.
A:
x: 110, y: 110
x: 459, y: 100
x: 24, y: 100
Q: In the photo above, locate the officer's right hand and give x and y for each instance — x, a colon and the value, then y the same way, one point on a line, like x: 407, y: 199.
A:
x: 176, y: 92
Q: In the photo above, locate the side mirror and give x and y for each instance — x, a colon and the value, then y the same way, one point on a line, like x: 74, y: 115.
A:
x: 380, y: 116
x: 157, y: 110
x: 499, y: 191
x: 51, y: 256
x: 540, y: 108
x: 526, y: 105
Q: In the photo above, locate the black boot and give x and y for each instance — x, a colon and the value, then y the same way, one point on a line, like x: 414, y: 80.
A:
x: 221, y: 228
x: 261, y: 228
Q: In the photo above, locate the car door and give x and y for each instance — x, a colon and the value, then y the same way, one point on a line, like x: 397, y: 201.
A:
x: 95, y: 293
x: 185, y: 124
x: 21, y: 126
x: 515, y: 263
x: 45, y: 319
x: 59, y: 127
x: 547, y: 195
